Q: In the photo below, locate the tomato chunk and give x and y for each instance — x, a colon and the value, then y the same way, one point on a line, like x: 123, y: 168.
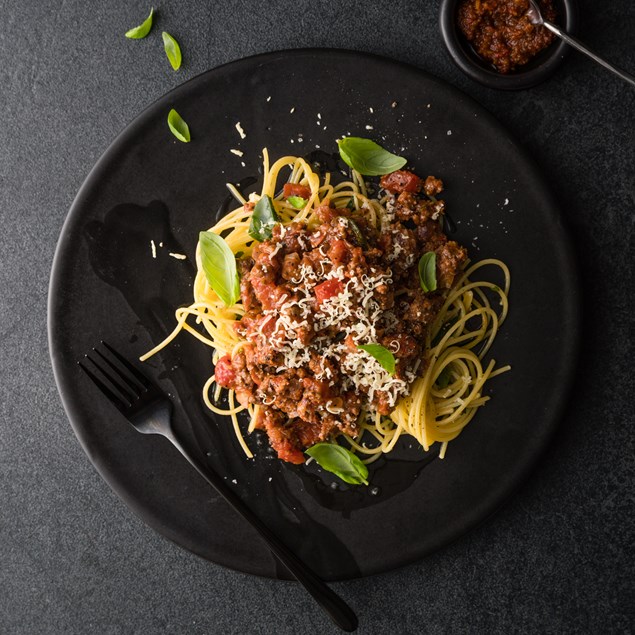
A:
x: 401, y: 181
x: 328, y: 289
x: 294, y: 189
x: 224, y: 372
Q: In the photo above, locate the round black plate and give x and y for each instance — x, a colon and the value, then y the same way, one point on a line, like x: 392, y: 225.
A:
x: 149, y: 186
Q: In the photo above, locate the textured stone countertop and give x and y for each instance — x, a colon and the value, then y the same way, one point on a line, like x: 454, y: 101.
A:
x: 74, y: 559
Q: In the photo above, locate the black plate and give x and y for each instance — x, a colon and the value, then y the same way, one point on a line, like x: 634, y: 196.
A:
x: 106, y: 285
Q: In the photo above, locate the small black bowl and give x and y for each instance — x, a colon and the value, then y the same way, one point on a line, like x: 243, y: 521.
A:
x: 526, y: 76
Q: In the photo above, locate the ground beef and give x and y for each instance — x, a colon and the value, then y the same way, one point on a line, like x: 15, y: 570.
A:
x: 311, y: 295
x: 501, y: 33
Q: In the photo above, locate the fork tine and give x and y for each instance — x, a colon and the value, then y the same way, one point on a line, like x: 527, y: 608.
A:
x: 122, y: 382
x: 137, y: 374
x: 115, y: 378
x: 115, y: 398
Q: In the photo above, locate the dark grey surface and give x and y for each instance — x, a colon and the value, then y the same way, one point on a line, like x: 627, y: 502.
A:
x: 73, y: 559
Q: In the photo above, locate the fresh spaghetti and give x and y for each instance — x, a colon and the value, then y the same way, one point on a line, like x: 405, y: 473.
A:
x: 337, y: 331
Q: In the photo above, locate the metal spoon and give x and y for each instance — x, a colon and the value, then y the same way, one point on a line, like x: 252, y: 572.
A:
x: 535, y: 16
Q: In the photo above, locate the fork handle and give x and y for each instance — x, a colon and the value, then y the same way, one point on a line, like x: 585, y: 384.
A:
x: 331, y: 603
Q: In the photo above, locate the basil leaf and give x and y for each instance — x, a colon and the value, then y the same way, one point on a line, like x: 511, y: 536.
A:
x: 297, y: 201
x: 385, y: 358
x: 178, y: 127
x: 172, y: 50
x: 428, y: 271
x: 142, y: 30
x: 357, y: 233
x: 367, y: 157
x: 340, y: 461
x: 219, y: 265
x: 443, y: 379
x: 263, y: 219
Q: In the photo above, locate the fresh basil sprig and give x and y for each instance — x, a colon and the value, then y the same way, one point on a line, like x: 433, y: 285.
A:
x: 219, y: 265
x: 385, y: 358
x: 172, y: 50
x: 178, y: 127
x: 428, y: 271
x: 297, y: 201
x: 367, y: 157
x: 142, y: 30
x: 263, y: 219
x: 340, y: 461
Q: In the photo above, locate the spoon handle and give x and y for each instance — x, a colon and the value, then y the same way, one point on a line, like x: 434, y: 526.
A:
x: 576, y: 44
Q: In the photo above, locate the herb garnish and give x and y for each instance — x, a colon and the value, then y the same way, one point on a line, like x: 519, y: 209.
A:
x: 297, y: 201
x: 340, y: 461
x: 357, y: 233
x: 172, y: 50
x: 443, y: 380
x: 428, y: 271
x: 263, y: 219
x: 367, y: 157
x: 142, y: 30
x: 178, y: 127
x: 219, y: 265
x: 385, y: 358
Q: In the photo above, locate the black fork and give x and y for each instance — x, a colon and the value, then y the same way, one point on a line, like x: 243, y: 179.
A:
x: 149, y: 410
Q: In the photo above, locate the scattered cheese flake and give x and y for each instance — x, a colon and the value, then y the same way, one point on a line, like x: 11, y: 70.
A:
x: 449, y: 132
x: 238, y: 153
x: 241, y: 132
x: 319, y: 116
x: 178, y: 256
x: 292, y: 110
x: 369, y: 127
x: 153, y: 248
x: 371, y: 110
x: 506, y: 202
x: 160, y: 244
x: 242, y: 163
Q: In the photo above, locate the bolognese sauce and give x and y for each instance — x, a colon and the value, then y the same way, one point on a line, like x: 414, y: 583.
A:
x: 501, y: 32
x: 313, y: 293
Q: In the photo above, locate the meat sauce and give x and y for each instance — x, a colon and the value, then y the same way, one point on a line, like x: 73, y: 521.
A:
x: 501, y: 33
x: 312, y: 294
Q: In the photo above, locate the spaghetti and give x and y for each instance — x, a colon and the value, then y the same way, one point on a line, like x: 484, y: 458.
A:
x: 437, y: 404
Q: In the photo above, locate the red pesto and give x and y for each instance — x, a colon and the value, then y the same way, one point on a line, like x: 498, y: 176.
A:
x: 502, y: 34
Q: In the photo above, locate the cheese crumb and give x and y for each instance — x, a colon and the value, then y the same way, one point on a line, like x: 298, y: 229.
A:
x: 153, y: 247
x: 241, y: 132
x: 292, y: 110
x: 269, y: 98
x: 238, y: 153
x: 369, y: 128
x: 178, y: 256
